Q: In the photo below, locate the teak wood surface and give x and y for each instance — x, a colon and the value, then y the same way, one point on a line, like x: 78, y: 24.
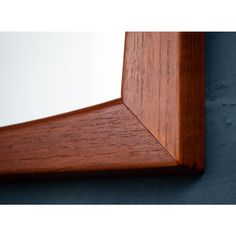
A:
x: 156, y: 126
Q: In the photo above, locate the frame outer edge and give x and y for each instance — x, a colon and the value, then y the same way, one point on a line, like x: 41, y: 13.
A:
x: 192, y: 100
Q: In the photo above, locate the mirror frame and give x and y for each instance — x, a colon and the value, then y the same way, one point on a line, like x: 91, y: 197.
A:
x: 156, y: 126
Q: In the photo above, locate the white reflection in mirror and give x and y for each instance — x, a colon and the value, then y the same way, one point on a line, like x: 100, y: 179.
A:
x: 45, y: 74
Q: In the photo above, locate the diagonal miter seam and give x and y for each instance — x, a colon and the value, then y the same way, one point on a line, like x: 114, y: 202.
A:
x: 149, y: 132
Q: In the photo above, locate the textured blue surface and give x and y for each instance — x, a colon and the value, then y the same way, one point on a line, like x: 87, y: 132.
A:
x: 216, y: 185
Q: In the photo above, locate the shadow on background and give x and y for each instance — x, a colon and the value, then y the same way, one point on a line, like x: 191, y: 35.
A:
x: 216, y: 185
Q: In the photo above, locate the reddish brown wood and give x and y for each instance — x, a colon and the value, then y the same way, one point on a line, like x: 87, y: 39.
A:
x: 192, y: 100
x: 151, y: 84
x: 163, y: 85
x: 157, y: 125
x: 104, y: 137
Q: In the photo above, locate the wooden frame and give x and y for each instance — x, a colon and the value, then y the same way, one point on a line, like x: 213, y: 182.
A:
x: 156, y: 126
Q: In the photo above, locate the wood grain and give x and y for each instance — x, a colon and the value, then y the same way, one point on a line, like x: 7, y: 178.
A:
x: 192, y: 100
x: 157, y: 125
x: 101, y: 138
x: 163, y: 85
x: 150, y: 85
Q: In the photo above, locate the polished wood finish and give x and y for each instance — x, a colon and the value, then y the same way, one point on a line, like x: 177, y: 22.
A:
x: 192, y: 100
x: 157, y: 125
x: 104, y: 137
x: 163, y: 85
x: 151, y: 84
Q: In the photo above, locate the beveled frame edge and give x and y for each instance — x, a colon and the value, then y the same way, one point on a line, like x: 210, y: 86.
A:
x: 169, y: 167
x: 188, y: 80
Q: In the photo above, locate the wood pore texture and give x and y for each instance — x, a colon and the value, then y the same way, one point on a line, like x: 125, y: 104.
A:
x: 103, y: 138
x: 163, y: 85
x: 157, y: 124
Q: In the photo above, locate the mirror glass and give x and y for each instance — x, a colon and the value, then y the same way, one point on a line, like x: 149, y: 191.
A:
x: 45, y: 74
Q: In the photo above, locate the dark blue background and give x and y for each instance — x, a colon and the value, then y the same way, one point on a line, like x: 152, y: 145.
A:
x: 216, y: 185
